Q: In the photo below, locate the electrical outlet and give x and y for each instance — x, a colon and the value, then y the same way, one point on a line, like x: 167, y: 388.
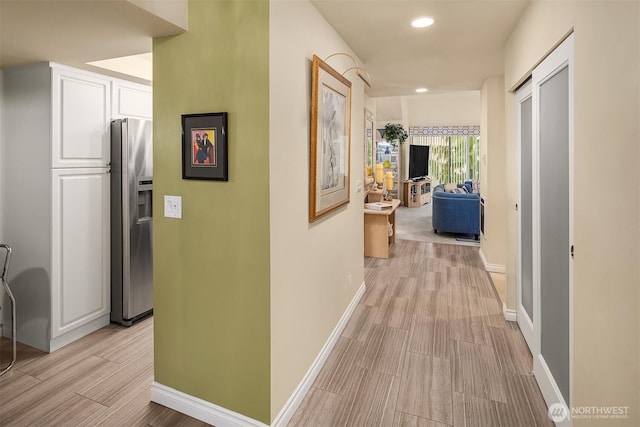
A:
x: 173, y: 206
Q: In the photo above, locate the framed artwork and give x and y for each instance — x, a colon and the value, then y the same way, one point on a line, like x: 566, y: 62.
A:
x: 330, y: 140
x: 205, y: 146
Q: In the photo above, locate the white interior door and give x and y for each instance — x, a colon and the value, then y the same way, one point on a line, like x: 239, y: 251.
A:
x: 552, y: 189
x: 525, y: 313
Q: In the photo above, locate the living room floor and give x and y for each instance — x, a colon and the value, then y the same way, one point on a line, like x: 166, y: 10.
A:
x: 415, y: 224
x: 426, y: 346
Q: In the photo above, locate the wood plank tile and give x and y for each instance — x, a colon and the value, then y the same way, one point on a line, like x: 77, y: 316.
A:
x: 159, y: 416
x: 392, y: 400
x: 492, y: 312
x: 57, y: 388
x: 25, y: 353
x: 475, y: 371
x: 536, y: 401
x: 54, y: 400
x: 368, y: 355
x: 518, y: 412
x: 395, y: 312
x: 480, y: 412
x: 115, y: 386
x: 360, y: 323
x: 458, y: 410
x: 15, y: 383
x: 432, y: 303
x: 371, y: 400
x: 391, y: 352
x: 407, y: 287
x: 425, y: 388
x: 407, y: 420
x: 332, y: 363
x: 346, y: 377
x: 429, y: 336
x: 466, y: 320
x: 375, y: 292
x: 511, y: 351
x: 321, y: 408
x: 432, y: 281
x: 123, y: 350
x: 72, y: 412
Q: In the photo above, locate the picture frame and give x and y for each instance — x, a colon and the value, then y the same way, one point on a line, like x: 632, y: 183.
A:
x: 329, y: 177
x: 205, y: 146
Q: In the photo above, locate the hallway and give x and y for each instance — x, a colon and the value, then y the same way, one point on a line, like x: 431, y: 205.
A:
x: 426, y: 346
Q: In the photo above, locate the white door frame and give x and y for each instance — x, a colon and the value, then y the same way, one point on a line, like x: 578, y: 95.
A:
x: 557, y: 60
x: 526, y: 324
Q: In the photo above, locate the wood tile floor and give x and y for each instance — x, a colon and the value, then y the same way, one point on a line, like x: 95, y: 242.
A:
x: 103, y: 379
x: 427, y: 346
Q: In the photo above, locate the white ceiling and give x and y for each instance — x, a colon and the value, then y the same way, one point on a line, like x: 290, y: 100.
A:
x: 462, y: 48
x: 76, y: 32
x: 458, y: 52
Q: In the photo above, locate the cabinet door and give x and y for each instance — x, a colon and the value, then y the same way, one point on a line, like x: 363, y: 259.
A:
x: 81, y: 104
x: 80, y: 275
x: 131, y: 100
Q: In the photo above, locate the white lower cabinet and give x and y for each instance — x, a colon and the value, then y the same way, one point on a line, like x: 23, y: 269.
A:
x: 80, y: 263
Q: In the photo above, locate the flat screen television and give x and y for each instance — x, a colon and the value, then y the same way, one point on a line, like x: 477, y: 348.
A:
x: 418, y: 161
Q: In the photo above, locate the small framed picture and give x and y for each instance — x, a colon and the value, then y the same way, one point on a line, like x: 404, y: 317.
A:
x: 205, y: 146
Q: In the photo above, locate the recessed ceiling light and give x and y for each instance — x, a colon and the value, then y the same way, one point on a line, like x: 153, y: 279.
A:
x: 422, y: 22
x: 421, y: 90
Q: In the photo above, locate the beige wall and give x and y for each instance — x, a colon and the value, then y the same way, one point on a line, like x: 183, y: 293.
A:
x: 493, y: 178
x: 444, y: 109
x: 316, y: 268
x: 606, y: 223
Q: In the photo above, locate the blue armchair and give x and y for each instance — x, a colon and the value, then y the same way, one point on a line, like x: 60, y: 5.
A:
x: 455, y: 213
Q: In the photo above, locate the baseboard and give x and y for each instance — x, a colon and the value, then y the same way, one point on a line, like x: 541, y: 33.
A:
x: 289, y: 408
x: 222, y: 417
x: 492, y: 268
x: 549, y: 389
x: 509, y: 314
x: 77, y: 333
x: 199, y: 409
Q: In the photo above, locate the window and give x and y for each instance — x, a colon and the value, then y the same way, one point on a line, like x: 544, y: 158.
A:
x: 454, y: 154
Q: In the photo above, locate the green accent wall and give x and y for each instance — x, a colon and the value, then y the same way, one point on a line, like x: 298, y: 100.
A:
x: 211, y: 268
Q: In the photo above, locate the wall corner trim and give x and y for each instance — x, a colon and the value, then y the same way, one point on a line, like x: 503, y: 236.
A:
x: 492, y: 268
x: 199, y: 409
x: 509, y: 314
x: 289, y: 408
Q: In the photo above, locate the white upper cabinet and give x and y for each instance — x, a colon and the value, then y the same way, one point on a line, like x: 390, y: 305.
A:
x: 81, y: 113
x: 131, y: 100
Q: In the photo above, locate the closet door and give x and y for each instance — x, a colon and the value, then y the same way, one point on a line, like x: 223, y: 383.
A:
x: 552, y: 222
x: 527, y: 322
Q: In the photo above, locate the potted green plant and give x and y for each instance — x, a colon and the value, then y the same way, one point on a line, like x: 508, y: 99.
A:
x: 393, y: 132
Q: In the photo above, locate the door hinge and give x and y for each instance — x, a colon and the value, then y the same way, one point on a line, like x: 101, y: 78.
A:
x: 571, y: 251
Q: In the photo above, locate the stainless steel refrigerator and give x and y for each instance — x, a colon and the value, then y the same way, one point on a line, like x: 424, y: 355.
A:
x: 131, y: 220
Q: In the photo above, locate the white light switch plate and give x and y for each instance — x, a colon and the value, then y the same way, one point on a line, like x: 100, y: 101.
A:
x: 173, y: 206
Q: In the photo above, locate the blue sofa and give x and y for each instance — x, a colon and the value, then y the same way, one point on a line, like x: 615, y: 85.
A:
x: 454, y: 212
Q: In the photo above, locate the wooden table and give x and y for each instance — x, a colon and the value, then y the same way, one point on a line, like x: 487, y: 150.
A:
x: 376, y: 230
